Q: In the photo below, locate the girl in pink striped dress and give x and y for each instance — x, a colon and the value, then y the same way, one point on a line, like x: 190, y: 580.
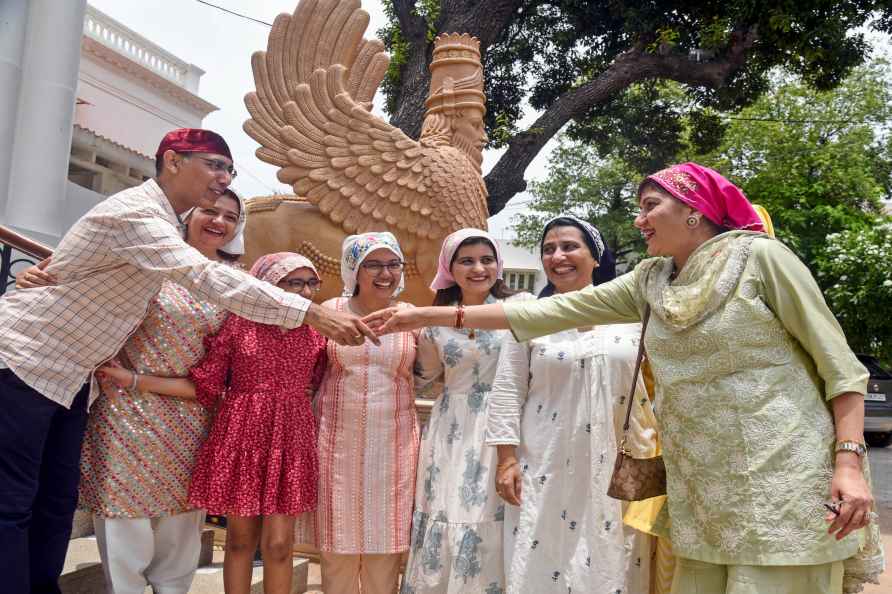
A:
x: 368, y: 434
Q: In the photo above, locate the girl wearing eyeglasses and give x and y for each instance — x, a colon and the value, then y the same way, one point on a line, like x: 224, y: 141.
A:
x: 368, y: 433
x: 258, y: 466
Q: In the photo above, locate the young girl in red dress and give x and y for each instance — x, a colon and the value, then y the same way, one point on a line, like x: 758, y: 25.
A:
x: 259, y: 465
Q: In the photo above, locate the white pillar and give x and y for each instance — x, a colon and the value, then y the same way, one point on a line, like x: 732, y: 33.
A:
x: 42, y: 142
x: 13, y: 21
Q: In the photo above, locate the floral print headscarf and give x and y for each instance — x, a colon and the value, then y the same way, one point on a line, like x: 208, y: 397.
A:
x: 355, y: 249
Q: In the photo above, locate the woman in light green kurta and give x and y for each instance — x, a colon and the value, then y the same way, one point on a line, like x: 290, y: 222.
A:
x: 756, y: 389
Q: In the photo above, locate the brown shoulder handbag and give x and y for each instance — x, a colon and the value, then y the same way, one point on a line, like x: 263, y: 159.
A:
x: 635, y: 479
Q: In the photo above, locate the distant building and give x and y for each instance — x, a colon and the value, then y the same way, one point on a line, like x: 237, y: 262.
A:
x: 523, y: 269
x: 130, y: 92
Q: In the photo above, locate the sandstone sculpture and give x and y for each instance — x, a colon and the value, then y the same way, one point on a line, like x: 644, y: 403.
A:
x: 352, y: 171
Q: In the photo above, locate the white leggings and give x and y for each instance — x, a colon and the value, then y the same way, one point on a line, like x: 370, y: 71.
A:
x: 160, y: 552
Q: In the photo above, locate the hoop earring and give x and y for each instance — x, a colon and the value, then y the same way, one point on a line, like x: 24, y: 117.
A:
x: 693, y: 221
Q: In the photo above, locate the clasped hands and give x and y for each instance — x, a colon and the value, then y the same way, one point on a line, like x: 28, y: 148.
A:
x: 394, y: 319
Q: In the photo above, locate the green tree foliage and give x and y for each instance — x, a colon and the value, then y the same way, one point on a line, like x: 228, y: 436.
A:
x: 819, y: 161
x: 573, y: 59
x: 597, y: 190
x: 856, y: 269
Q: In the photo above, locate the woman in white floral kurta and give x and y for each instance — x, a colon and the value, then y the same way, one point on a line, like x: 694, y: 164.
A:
x: 556, y: 408
x: 457, y: 525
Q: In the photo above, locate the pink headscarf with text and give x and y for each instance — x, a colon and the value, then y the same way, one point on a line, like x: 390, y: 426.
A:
x: 444, y: 278
x: 709, y: 192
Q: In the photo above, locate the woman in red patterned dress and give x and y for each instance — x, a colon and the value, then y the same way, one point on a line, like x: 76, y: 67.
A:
x: 259, y: 465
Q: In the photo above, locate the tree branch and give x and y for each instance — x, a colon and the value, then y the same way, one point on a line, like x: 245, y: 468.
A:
x: 634, y: 65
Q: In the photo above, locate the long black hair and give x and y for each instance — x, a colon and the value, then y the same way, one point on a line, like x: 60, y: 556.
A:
x: 450, y: 295
x: 594, y: 241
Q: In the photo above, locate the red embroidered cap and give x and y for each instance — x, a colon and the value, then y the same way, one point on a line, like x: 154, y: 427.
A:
x: 193, y: 140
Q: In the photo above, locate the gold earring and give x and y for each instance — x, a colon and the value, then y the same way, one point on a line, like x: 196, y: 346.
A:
x: 693, y: 221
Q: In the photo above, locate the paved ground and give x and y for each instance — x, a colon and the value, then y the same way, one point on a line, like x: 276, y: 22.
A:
x: 881, y: 472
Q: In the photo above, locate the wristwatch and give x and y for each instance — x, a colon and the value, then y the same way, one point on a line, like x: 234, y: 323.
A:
x: 851, y: 446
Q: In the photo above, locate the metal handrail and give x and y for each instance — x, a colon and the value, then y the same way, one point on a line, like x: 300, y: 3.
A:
x: 23, y: 244
x: 10, y: 241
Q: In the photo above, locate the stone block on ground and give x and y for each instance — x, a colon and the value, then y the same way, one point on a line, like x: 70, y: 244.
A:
x: 82, y: 572
x: 82, y: 524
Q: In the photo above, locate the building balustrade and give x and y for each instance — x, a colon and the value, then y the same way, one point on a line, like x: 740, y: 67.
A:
x: 125, y: 41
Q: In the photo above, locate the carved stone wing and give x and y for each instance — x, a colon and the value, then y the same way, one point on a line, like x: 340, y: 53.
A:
x: 311, y: 115
x: 319, y: 34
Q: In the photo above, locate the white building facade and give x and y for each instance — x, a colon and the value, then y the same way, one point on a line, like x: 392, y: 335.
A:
x: 85, y: 101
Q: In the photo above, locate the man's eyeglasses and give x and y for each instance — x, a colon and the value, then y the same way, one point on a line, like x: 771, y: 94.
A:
x: 218, y: 166
x: 376, y: 268
x: 298, y: 283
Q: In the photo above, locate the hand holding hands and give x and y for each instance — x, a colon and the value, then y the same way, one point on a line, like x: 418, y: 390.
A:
x: 114, y: 372
x: 342, y: 327
x: 394, y: 319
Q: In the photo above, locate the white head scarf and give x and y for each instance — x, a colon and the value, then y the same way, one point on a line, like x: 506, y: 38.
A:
x: 355, y: 249
x: 236, y: 245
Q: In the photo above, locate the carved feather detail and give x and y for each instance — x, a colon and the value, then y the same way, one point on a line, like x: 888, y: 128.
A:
x: 311, y: 115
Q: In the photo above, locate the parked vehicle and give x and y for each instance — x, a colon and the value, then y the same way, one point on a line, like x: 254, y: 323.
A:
x: 877, y: 404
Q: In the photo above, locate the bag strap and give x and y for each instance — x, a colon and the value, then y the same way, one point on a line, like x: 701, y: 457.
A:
x: 637, y: 369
